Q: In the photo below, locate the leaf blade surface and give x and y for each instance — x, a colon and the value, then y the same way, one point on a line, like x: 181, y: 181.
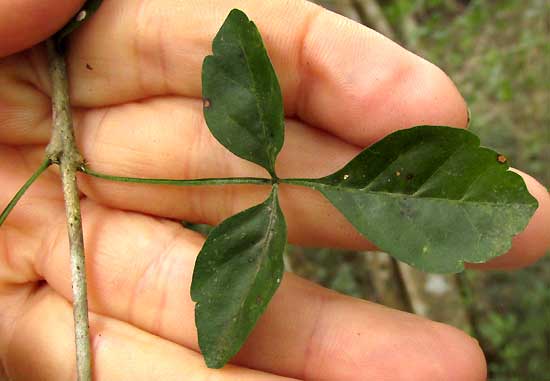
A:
x: 236, y: 274
x: 243, y: 104
x: 432, y: 197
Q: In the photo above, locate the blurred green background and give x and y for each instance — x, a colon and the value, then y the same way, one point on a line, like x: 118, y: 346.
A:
x: 498, y: 54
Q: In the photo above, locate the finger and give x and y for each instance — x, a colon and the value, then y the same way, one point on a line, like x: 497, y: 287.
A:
x: 534, y: 241
x: 24, y: 23
x: 139, y: 271
x: 335, y: 74
x: 184, y: 148
x: 24, y: 108
x: 41, y: 342
x: 111, y: 148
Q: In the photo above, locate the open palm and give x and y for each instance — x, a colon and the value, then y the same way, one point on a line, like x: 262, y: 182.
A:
x: 136, y: 91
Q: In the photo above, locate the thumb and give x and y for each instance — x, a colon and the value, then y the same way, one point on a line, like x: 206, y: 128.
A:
x: 24, y: 23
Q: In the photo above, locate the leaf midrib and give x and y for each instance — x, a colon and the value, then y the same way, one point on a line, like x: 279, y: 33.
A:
x: 255, y: 92
x: 321, y: 186
x: 267, y: 236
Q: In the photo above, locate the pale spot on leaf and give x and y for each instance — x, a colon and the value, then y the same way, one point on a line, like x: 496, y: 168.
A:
x: 81, y: 16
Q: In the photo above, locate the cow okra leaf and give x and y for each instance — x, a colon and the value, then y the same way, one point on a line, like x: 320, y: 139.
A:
x: 432, y: 197
x: 236, y: 273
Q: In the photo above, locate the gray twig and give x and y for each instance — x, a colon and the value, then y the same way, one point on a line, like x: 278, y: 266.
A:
x: 63, y: 150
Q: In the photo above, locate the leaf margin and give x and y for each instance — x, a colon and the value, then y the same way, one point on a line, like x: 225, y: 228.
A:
x: 274, y: 137
x: 326, y: 183
x: 217, y: 358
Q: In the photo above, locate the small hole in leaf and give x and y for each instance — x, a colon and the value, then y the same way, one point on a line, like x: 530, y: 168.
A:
x: 206, y: 103
x: 502, y: 159
x: 397, y: 173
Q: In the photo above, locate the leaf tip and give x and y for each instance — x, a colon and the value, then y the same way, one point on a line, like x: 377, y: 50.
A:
x: 237, y: 13
x: 215, y: 362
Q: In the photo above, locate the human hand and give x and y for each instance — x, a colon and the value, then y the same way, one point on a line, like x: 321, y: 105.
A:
x: 135, y: 71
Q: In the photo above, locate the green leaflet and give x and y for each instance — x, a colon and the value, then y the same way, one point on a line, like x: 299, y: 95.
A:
x: 87, y: 10
x: 431, y: 197
x: 236, y: 273
x: 243, y: 105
